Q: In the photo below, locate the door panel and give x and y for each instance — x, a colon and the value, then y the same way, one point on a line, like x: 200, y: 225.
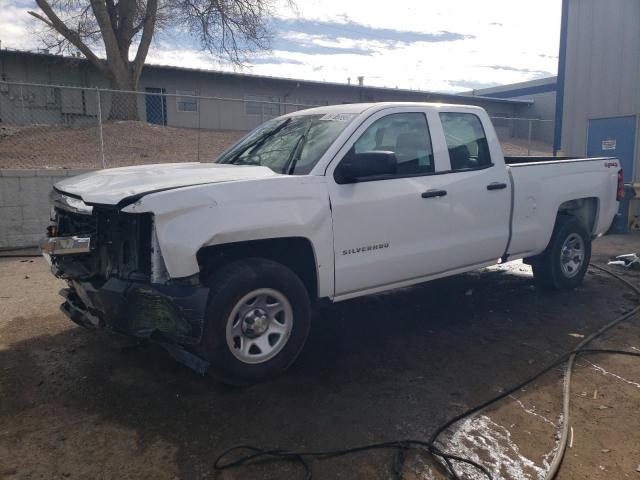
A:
x: 479, y: 215
x: 613, y: 137
x: 479, y: 192
x: 386, y: 232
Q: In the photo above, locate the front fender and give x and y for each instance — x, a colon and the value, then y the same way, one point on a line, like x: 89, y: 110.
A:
x: 190, y: 218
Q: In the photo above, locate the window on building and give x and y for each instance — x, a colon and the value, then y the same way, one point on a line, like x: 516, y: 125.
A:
x: 466, y: 141
x: 186, y: 101
x: 262, y: 105
x: 405, y: 134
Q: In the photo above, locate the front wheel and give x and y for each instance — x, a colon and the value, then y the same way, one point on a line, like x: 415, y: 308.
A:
x: 564, y: 263
x: 257, y: 321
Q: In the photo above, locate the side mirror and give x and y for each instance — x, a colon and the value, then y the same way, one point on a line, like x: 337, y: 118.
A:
x: 357, y: 166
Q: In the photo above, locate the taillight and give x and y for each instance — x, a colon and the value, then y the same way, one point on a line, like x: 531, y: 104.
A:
x: 620, y: 189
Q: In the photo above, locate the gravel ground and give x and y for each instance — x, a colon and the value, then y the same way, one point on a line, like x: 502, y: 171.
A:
x: 389, y: 366
x: 125, y: 143
x: 520, y: 147
x: 135, y: 143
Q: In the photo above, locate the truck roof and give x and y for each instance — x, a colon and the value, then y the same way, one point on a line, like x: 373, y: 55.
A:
x: 357, y: 108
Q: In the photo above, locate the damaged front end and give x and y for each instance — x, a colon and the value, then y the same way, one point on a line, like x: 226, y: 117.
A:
x: 117, y: 279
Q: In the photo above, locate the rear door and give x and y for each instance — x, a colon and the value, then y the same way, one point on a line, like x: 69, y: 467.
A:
x: 478, y: 189
x: 393, y: 229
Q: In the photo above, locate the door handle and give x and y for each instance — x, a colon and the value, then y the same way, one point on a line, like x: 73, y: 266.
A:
x: 496, y: 186
x: 434, y: 193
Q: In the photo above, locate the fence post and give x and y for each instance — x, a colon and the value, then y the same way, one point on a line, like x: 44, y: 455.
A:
x: 163, y: 102
x: 22, y: 104
x: 529, y: 139
x: 199, y: 107
x: 100, y: 139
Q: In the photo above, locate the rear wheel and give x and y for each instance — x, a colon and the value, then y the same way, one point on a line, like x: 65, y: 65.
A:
x: 257, y: 322
x: 564, y: 263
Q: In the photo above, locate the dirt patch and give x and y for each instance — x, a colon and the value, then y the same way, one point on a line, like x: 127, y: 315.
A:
x: 389, y: 366
x: 516, y: 147
x: 125, y: 143
x: 135, y: 143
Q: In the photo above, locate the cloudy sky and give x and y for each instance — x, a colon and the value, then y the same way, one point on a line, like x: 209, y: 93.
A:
x: 437, y: 45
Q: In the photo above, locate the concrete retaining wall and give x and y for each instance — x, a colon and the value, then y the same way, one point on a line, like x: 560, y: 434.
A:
x: 24, y: 204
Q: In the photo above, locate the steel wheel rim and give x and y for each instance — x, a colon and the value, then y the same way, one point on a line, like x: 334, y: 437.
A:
x: 259, y: 325
x: 572, y: 255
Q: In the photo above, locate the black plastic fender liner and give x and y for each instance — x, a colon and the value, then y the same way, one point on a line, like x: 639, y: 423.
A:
x: 175, y: 313
x: 185, y: 357
x: 79, y: 315
x: 77, y: 311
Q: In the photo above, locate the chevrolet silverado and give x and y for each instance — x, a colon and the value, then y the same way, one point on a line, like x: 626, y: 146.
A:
x: 221, y: 262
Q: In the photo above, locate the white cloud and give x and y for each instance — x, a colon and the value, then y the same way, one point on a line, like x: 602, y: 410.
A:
x: 502, y: 33
x: 16, y: 26
x: 498, y: 33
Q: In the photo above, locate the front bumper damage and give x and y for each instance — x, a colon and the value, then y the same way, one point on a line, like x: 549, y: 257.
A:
x: 171, y: 315
x: 117, y: 279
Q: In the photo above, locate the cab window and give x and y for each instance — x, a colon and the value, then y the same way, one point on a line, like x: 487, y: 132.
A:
x: 466, y: 141
x: 404, y: 134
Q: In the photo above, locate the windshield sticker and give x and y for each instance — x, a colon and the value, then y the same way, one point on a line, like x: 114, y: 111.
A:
x: 338, y: 117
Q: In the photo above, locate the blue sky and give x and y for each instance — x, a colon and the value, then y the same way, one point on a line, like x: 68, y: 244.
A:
x: 438, y: 45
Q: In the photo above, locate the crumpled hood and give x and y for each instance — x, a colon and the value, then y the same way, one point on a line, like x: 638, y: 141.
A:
x: 115, y: 185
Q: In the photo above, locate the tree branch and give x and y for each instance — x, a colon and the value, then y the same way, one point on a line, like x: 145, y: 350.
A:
x: 147, y: 35
x: 73, y: 37
x: 111, y: 10
x: 114, y: 58
x: 226, y: 28
x: 41, y: 18
x: 126, y: 19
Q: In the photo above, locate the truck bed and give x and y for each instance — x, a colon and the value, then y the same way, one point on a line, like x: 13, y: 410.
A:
x: 542, y: 185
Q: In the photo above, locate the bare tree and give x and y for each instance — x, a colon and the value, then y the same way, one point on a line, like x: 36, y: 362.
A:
x: 226, y: 28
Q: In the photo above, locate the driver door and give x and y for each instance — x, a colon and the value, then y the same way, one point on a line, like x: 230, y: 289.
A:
x: 390, y: 229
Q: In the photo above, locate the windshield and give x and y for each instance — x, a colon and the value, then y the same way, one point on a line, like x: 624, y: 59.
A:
x: 290, y: 145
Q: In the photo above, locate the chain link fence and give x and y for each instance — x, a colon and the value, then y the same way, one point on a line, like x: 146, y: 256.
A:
x: 48, y: 126
x: 45, y: 126
x: 524, y: 136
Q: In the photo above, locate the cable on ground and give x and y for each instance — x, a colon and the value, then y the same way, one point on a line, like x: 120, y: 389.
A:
x: 448, y: 459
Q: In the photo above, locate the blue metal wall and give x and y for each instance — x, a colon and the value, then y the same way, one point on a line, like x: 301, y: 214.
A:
x: 613, y: 137
x: 599, y: 78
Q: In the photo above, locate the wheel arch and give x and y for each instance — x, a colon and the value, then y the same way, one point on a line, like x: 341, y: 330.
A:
x: 555, y: 269
x: 296, y: 253
x: 584, y: 209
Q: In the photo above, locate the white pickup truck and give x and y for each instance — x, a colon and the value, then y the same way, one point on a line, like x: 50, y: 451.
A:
x: 221, y: 262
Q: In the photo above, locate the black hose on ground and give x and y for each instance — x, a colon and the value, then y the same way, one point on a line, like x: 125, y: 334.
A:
x: 430, y: 446
x: 554, y: 466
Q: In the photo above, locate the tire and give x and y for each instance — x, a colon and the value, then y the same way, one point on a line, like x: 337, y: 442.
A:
x: 564, y: 263
x: 257, y: 321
